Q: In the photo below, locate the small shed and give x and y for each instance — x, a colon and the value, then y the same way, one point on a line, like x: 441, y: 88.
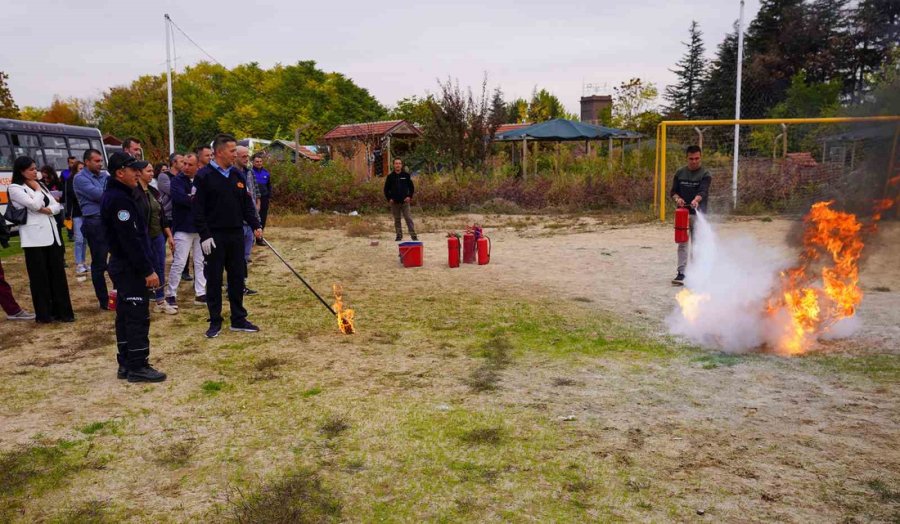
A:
x: 367, y: 147
x: 288, y: 150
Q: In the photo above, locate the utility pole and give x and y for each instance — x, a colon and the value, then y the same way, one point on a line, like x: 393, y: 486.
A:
x: 169, y: 36
x: 737, y: 107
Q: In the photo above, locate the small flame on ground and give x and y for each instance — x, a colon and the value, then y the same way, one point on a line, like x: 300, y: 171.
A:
x: 690, y: 303
x: 344, y: 316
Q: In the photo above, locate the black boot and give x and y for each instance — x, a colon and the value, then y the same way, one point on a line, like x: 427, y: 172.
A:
x: 146, y: 374
x: 122, y: 373
x: 398, y: 238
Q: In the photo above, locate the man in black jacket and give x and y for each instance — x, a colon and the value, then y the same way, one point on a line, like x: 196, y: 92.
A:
x: 131, y: 268
x: 399, y: 190
x: 690, y: 188
x: 221, y: 205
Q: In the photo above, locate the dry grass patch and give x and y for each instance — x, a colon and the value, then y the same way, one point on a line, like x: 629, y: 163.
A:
x: 334, y: 426
x: 298, y: 497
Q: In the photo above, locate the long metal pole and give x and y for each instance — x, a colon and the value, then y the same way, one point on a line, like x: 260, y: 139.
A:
x: 169, y: 83
x: 305, y: 283
x: 737, y: 107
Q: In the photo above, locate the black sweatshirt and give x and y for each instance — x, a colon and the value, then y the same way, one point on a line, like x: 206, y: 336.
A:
x: 398, y: 187
x: 688, y: 184
x: 222, y: 204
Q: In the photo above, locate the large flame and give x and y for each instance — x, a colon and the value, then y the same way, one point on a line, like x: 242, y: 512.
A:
x: 344, y: 316
x: 823, y: 287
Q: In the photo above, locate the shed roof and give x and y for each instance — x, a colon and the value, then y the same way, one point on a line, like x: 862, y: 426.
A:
x: 368, y: 129
x: 304, y: 151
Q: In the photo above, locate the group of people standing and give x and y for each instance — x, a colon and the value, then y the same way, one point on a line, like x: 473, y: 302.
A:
x: 207, y: 204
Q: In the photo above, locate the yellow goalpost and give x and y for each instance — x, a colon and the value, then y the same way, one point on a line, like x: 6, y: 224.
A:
x: 659, y: 171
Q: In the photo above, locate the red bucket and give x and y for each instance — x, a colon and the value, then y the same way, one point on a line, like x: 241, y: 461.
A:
x: 411, y: 254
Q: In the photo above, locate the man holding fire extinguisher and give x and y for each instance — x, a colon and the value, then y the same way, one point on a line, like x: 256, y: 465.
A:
x: 690, y: 188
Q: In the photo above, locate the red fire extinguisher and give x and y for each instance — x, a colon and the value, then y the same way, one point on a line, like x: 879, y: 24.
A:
x: 469, y: 248
x: 484, y: 250
x: 453, y: 250
x: 113, y: 299
x: 682, y: 224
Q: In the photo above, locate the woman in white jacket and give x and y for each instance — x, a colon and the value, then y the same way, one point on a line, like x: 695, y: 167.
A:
x: 44, y: 254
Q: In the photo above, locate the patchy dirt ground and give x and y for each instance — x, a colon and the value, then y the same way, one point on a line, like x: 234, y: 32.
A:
x: 540, y: 387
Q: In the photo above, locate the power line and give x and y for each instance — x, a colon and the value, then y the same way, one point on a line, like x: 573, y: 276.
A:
x: 191, y: 40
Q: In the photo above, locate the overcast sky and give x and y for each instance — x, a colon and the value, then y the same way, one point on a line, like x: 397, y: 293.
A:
x: 393, y: 49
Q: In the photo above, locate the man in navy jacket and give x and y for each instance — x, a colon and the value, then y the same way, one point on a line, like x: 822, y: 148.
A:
x: 221, y: 205
x: 187, y: 241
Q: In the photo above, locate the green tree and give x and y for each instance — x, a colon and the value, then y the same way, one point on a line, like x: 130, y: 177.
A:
x: 691, y: 73
x: 875, y: 35
x: 517, y: 111
x: 245, y: 101
x: 544, y: 106
x: 8, y: 107
x: 634, y: 106
x: 716, y: 97
x: 803, y: 100
x: 413, y: 109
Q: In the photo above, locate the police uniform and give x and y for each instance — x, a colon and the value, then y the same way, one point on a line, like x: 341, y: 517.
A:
x: 130, y: 263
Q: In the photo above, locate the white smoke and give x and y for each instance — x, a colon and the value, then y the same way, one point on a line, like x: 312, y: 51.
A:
x: 734, y: 277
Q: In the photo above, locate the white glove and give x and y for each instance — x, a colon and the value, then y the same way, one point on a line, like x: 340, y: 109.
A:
x: 207, y: 246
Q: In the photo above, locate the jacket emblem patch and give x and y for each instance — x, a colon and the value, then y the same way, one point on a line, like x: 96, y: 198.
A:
x: 123, y: 215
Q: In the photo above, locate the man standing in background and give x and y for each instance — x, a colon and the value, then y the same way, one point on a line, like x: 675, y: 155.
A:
x: 399, y: 190
x: 204, y: 154
x: 89, y: 185
x: 242, y: 163
x: 132, y: 146
x: 187, y: 240
x: 264, y: 185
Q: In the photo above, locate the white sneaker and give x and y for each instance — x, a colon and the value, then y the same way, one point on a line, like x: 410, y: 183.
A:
x: 21, y: 315
x: 81, y: 269
x: 163, y: 307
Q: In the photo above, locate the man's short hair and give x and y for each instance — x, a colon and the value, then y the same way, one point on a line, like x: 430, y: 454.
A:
x: 89, y: 152
x: 222, y: 139
x: 128, y: 141
x: 692, y: 149
x: 189, y: 155
x: 198, y: 149
x: 172, y: 157
x: 71, y: 158
x: 258, y: 154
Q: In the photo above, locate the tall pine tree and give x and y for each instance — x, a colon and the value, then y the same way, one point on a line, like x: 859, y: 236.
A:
x: 716, y: 96
x: 691, y: 73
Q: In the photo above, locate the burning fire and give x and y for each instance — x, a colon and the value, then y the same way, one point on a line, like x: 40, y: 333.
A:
x: 690, y: 303
x: 344, y: 316
x: 823, y: 287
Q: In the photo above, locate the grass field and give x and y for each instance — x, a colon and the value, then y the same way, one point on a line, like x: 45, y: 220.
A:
x: 475, y: 394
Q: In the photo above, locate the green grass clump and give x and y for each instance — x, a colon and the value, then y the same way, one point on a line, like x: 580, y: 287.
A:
x: 211, y: 387
x: 884, y: 368
x: 311, y: 392
x: 715, y: 360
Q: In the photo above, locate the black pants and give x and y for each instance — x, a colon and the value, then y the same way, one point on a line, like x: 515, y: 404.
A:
x: 263, y: 210
x: 229, y: 256
x: 94, y: 233
x: 132, y: 321
x: 49, y: 287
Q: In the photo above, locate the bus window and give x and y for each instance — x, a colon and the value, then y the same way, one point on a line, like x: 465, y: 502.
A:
x: 6, y: 158
x: 56, y: 142
x: 77, y: 147
x: 27, y: 145
x: 96, y: 144
x: 58, y: 158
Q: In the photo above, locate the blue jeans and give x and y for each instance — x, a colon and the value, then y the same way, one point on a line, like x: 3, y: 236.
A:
x: 95, y: 234
x: 79, y: 239
x: 249, y: 239
x: 158, y: 247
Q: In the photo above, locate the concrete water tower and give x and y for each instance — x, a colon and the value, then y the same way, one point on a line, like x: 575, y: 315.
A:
x: 592, y: 107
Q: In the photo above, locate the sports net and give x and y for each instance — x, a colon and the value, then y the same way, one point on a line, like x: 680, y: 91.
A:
x: 783, y: 168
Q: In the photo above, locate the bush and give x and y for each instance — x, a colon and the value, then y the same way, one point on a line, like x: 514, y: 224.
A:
x: 586, y: 184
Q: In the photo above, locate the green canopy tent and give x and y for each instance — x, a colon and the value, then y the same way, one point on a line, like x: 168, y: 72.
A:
x: 562, y: 130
